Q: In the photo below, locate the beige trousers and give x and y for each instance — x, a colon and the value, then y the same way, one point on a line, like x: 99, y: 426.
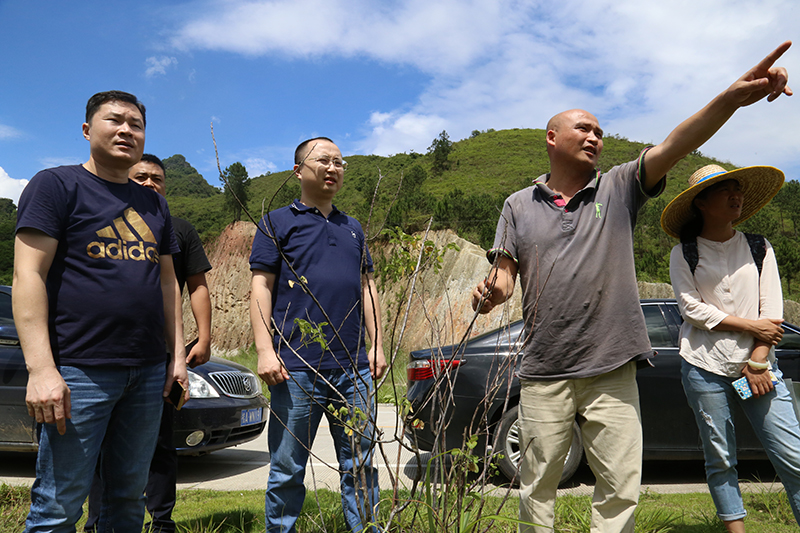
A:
x: 607, y: 407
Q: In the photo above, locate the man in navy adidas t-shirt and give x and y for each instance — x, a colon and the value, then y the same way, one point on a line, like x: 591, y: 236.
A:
x: 92, y: 261
x: 191, y: 265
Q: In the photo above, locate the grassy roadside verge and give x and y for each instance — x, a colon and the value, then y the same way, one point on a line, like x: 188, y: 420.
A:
x: 202, y: 511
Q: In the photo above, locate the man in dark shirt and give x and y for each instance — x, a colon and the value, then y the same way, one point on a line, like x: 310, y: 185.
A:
x: 96, y: 305
x: 584, y: 327
x: 312, y: 271
x: 191, y: 265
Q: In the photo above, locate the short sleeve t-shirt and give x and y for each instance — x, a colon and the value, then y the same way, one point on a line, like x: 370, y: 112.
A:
x: 331, y: 255
x: 192, y: 258
x: 104, y: 286
x: 576, y: 269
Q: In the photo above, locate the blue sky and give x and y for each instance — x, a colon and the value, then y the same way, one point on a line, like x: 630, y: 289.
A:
x: 381, y: 77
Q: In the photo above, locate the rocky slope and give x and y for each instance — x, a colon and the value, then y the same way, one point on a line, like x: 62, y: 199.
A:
x: 439, y: 312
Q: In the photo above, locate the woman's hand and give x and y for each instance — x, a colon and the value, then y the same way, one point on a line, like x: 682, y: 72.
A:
x: 767, y: 330
x: 759, y: 380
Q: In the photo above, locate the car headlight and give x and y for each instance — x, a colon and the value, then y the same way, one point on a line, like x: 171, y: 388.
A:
x: 200, y: 388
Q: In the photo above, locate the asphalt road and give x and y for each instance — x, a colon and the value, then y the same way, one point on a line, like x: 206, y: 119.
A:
x: 246, y: 467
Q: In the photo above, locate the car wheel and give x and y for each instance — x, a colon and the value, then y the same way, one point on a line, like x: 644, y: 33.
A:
x: 508, y: 439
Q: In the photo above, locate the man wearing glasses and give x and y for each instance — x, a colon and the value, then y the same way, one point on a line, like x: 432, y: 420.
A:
x: 313, y: 295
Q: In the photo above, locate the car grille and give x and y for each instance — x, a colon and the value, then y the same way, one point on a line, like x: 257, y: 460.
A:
x: 236, y: 384
x: 235, y: 435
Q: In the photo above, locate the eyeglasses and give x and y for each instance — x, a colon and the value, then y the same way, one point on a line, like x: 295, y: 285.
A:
x: 339, y: 164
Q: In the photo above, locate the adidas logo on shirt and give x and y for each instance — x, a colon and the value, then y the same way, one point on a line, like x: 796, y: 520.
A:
x: 127, y: 229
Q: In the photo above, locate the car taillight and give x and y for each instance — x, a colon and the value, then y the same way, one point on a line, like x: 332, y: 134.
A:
x: 425, y: 369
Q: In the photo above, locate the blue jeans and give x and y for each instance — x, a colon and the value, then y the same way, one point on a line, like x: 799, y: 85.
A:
x: 296, y: 409
x: 772, y: 416
x: 116, y: 412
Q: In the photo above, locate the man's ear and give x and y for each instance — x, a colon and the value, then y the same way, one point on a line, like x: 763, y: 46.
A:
x: 85, y: 128
x: 296, y: 170
x: 551, y: 137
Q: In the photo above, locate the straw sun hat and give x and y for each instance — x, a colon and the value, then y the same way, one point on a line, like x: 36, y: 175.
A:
x: 759, y: 185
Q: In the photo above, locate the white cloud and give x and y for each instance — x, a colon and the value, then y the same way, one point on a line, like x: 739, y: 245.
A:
x: 8, y: 132
x: 9, y: 187
x: 409, y: 32
x: 257, y: 166
x: 50, y: 162
x: 158, y: 65
x: 641, y: 66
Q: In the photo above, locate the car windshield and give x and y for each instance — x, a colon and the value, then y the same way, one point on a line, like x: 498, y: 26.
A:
x: 5, y: 306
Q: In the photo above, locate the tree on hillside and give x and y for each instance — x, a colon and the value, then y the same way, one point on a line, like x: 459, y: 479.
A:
x: 788, y: 202
x: 8, y: 219
x: 440, y: 149
x: 411, y: 208
x: 787, y: 254
x: 765, y: 222
x: 472, y: 216
x: 236, y: 187
x: 7, y: 208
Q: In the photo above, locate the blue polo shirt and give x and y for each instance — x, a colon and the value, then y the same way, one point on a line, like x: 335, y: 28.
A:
x: 331, y: 255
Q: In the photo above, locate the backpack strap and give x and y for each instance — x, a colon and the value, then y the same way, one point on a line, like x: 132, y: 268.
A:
x: 758, y: 248
x: 690, y: 254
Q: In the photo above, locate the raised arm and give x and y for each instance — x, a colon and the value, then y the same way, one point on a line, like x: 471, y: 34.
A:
x: 200, y: 301
x: 47, y: 395
x: 758, y: 82
x: 372, y: 321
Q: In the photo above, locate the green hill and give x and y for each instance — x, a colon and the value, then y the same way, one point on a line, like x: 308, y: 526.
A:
x: 464, y: 190
x: 184, y: 181
x: 483, y: 170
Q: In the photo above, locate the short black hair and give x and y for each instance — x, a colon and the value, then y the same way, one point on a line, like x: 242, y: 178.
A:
x: 150, y: 158
x: 299, y: 154
x: 99, y: 99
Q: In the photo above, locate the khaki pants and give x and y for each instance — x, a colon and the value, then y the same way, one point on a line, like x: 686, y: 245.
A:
x: 608, y: 409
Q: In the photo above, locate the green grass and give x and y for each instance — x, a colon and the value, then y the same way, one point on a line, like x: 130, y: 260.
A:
x: 202, y: 511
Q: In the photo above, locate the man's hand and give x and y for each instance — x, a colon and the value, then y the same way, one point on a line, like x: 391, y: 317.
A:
x: 767, y: 330
x: 271, y: 369
x: 496, y: 288
x: 762, y: 80
x: 199, y: 354
x: 377, y: 362
x: 48, y: 398
x: 176, y: 371
x: 482, y: 298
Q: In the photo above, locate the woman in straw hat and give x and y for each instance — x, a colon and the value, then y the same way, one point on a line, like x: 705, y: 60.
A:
x: 732, y: 320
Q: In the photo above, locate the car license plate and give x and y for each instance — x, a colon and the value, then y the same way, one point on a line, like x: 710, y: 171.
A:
x: 251, y: 416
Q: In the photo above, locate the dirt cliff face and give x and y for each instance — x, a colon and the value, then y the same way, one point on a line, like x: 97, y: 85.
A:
x: 229, y: 285
x: 440, y: 310
x: 438, y: 313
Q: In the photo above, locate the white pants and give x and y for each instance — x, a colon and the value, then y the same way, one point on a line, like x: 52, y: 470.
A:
x: 607, y: 407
